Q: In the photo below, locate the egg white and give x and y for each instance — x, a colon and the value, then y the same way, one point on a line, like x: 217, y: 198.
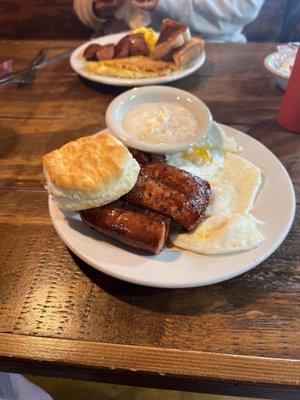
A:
x: 222, y: 200
x: 222, y: 234
x: 235, y: 187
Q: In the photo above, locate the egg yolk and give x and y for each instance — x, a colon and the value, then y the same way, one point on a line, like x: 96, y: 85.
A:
x: 150, y: 36
x: 202, y: 235
x: 197, y: 154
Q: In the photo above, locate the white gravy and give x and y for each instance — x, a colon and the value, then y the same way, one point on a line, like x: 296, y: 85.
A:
x: 160, y: 123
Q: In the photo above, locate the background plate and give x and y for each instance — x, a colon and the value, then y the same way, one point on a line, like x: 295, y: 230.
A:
x: 78, y: 64
x: 176, y: 268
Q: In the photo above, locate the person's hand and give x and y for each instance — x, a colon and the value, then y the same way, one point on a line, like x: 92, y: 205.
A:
x: 148, y: 5
x: 105, y: 8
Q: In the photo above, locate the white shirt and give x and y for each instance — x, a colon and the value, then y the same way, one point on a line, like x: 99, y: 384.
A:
x: 17, y: 387
x: 215, y: 20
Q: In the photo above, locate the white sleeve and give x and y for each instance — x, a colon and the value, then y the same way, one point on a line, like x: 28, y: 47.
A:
x: 17, y: 387
x: 84, y: 11
x: 212, y: 18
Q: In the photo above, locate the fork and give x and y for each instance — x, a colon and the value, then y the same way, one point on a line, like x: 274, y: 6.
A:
x: 32, y: 66
x: 28, y: 78
x: 37, y: 63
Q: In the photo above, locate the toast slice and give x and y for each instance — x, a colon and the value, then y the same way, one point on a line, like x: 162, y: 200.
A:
x: 188, y: 51
x: 173, y: 34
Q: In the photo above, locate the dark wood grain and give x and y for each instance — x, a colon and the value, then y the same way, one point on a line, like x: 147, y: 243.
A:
x: 60, y: 296
x: 32, y: 19
x: 60, y: 317
x: 229, y: 63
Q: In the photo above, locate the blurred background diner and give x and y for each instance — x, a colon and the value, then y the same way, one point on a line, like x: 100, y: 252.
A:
x: 221, y: 21
x: 277, y: 21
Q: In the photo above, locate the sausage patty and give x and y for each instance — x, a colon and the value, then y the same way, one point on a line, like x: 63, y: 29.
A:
x: 171, y: 192
x: 136, y: 227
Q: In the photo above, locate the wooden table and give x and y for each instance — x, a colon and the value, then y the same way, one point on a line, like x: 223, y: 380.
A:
x: 61, y: 317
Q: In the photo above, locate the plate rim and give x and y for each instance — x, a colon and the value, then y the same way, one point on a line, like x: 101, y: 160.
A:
x: 272, y: 69
x: 206, y: 282
x: 115, y: 81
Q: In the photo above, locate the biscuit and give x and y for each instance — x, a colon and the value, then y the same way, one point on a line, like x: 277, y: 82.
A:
x: 90, y: 172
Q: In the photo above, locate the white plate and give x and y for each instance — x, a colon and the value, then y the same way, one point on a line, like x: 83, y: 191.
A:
x: 78, y: 63
x: 175, y: 268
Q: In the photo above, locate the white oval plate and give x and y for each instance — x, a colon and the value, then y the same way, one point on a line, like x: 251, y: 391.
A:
x: 78, y: 63
x: 176, y: 268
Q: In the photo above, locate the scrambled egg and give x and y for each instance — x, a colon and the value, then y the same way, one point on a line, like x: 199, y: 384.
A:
x: 131, y: 67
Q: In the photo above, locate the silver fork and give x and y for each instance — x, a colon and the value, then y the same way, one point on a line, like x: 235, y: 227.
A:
x: 28, y: 78
x: 38, y: 63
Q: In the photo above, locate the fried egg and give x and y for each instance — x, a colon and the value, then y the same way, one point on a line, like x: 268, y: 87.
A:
x: 235, y: 183
x: 207, y: 157
x: 235, y: 187
x: 222, y: 234
x: 222, y: 200
x: 198, y: 161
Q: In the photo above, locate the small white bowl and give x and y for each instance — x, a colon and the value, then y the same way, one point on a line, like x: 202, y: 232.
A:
x: 273, y: 63
x: 124, y: 103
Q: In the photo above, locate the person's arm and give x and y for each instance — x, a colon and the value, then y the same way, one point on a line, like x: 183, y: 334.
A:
x: 212, y: 18
x: 148, y: 5
x: 93, y: 13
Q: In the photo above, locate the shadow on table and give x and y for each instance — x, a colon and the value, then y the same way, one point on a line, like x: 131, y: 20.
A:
x: 218, y: 298
x: 189, y: 83
x: 104, y: 89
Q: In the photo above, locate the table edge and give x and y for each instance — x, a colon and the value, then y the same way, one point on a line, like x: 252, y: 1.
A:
x: 140, y: 360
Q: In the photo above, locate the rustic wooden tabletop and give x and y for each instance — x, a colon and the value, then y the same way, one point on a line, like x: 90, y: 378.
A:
x: 60, y: 317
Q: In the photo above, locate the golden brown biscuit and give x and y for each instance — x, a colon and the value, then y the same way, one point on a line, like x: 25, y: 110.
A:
x: 90, y: 172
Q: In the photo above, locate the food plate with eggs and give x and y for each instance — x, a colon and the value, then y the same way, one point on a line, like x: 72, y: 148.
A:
x: 140, y: 70
x: 243, y: 225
